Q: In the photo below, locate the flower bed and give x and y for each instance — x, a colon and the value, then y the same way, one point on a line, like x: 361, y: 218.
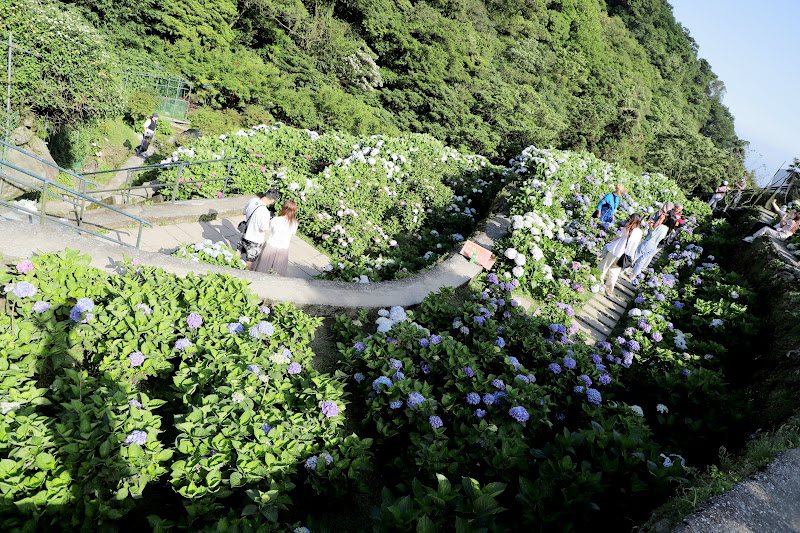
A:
x: 123, y: 391
x: 381, y: 208
x: 213, y: 253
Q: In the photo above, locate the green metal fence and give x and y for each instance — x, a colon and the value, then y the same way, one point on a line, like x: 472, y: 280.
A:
x: 173, y: 93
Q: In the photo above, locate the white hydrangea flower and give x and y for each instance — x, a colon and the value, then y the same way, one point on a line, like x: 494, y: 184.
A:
x: 511, y: 253
x: 518, y: 271
x: 716, y: 323
x: 537, y: 253
x: 661, y: 408
x: 520, y: 260
x: 384, y: 324
x: 636, y: 409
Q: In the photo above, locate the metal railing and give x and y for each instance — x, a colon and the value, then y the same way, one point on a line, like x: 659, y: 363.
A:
x: 60, y: 192
x: 131, y: 172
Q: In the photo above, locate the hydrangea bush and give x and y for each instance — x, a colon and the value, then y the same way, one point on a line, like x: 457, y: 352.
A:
x: 379, y: 207
x: 213, y: 253
x: 118, y: 389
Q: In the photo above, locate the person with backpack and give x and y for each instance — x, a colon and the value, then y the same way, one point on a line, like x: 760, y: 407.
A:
x: 255, y: 226
x: 150, y: 126
x: 673, y: 220
x: 618, y: 254
x: 607, y: 208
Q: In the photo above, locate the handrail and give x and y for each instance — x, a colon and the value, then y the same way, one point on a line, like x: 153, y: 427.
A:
x: 162, y: 165
x: 48, y: 163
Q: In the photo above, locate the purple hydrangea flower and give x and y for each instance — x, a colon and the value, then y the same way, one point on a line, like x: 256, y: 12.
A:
x: 182, y: 344
x: 435, y: 339
x: 360, y: 346
x: 500, y: 342
x: 435, y: 422
x: 519, y: 414
x: 634, y: 346
x: 137, y: 437
x: 396, y: 404
x: 426, y: 369
x: 24, y: 266
x: 639, y: 300
x: 604, y: 345
x: 395, y: 364
x: 264, y: 309
x: 558, y: 328
x: 468, y: 371
x: 24, y: 289
x: 685, y: 372
x: 135, y: 403
x: 265, y: 328
x: 569, y: 363
x: 593, y: 395
x: 414, y: 399
x: 41, y: 307
x: 329, y: 409
x: 492, y: 278
x: 235, y: 327
x: 424, y: 343
x: 596, y: 359
x: 479, y: 413
x: 498, y: 383
x: 137, y: 358
x: 479, y: 319
x: 473, y: 398
x: 604, y: 379
x: 656, y: 336
x: 294, y: 368
x: 555, y: 367
x: 146, y: 310
x: 194, y: 321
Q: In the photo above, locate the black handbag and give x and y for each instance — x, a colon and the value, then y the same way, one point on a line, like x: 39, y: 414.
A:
x: 242, y: 227
x: 625, y: 261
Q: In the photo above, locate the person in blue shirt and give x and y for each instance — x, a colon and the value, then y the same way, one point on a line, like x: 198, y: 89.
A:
x: 610, y: 203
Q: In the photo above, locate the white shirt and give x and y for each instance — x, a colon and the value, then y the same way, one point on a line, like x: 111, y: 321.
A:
x: 147, y: 124
x: 281, y: 233
x: 259, y: 221
x: 618, y: 247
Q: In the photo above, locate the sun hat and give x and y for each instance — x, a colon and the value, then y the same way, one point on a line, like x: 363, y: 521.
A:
x: 724, y: 182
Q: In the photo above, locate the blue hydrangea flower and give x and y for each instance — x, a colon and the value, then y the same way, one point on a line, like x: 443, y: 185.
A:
x: 468, y: 371
x: 135, y: 403
x: 531, y: 378
x: 656, y: 336
x: 254, y: 332
x: 464, y: 330
x: 294, y: 368
x: 435, y: 339
x: 41, y: 307
x: 396, y: 364
x: 396, y: 404
x: 360, y: 346
x: 489, y: 398
x: 254, y: 369
x: 604, y: 379
x: 145, y: 309
x: 558, y: 328
x: 500, y: 343
x: 685, y: 372
x: 473, y: 398
x: 479, y: 413
x: 328, y: 458
x: 182, y: 344
x: 301, y: 529
x: 415, y: 399
x: 235, y: 328
x: 479, y: 319
x: 435, y: 422
x: 426, y: 369
x: 634, y: 346
x: 137, y: 437
x: 359, y: 377
x: 384, y: 380
x: 514, y: 362
x: 678, y: 304
x: 398, y: 376
x: 586, y: 379
x: 311, y: 463
x: 555, y: 367
x: 329, y: 409
x: 593, y: 396
x: 424, y: 343
x: 498, y: 383
x: 578, y: 388
x: 266, y: 428
x: 604, y: 345
x: 24, y: 289
x: 519, y: 413
x: 522, y: 378
x: 137, y: 358
x: 265, y: 328
x: 569, y: 363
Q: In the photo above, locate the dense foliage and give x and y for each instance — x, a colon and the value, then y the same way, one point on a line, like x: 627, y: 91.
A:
x: 378, y: 207
x: 621, y: 79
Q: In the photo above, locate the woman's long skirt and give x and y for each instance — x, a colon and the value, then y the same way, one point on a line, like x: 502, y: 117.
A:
x: 272, y: 259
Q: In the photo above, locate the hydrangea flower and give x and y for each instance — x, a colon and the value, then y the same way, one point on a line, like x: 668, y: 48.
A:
x: 329, y: 409
x: 237, y: 397
x: 395, y: 364
x: 311, y: 463
x: 360, y: 347
x: 716, y: 323
x: 424, y: 343
x: 435, y: 339
x: 489, y: 398
x: 137, y: 437
x: 265, y: 328
x: 254, y: 369
x: 302, y: 529
x: 524, y: 379
x: 24, y: 266
x: 569, y: 363
x: 558, y: 328
x: 235, y: 328
x: 661, y: 408
x: 578, y: 388
x: 359, y: 377
x: 381, y: 380
x: 137, y: 358
x: 266, y: 428
x: 498, y: 383
x: 656, y: 336
x: 604, y: 378
x: 414, y: 399
x: 594, y: 396
x: 519, y: 413
x: 145, y: 309
x: 473, y: 398
x: 24, y: 289
x: 294, y: 368
x: 633, y: 345
x: 135, y: 403
x: 636, y: 409
x: 182, y: 344
x: 396, y: 404
x: 479, y: 413
x: 435, y: 422
x: 555, y: 367
x: 194, y: 321
x: 41, y: 307
x: 678, y: 304
x: 468, y: 371
x: 586, y: 379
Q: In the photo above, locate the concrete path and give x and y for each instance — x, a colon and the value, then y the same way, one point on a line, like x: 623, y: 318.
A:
x: 601, y: 313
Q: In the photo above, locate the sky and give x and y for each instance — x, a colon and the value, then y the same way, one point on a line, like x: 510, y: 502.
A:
x: 753, y: 48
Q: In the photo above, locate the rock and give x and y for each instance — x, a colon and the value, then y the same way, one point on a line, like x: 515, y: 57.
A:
x: 22, y: 135
x: 22, y: 159
x: 28, y: 121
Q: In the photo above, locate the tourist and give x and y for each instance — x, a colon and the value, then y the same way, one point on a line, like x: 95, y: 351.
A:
x: 719, y: 194
x: 615, y: 252
x: 255, y: 225
x: 648, y: 248
x: 673, y: 220
x: 150, y: 126
x: 661, y: 215
x: 275, y: 255
x: 782, y: 230
x: 608, y: 206
x: 740, y: 187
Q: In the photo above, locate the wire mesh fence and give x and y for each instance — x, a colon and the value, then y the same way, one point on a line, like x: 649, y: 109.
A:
x: 173, y: 93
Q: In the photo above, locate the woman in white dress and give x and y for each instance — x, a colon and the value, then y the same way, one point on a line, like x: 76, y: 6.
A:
x: 275, y: 255
x: 623, y: 245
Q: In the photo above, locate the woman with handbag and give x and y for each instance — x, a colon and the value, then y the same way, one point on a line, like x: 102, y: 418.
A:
x: 608, y: 206
x: 619, y: 253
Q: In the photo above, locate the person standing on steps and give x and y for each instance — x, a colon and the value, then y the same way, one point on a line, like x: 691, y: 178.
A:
x: 607, y: 208
x: 256, y: 225
x: 674, y: 219
x: 648, y: 248
x: 661, y: 215
x: 275, y: 255
x: 740, y: 187
x: 614, y: 253
x: 719, y: 194
x: 150, y: 126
